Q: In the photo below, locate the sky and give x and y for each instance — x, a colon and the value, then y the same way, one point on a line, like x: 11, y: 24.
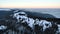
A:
x: 29, y: 3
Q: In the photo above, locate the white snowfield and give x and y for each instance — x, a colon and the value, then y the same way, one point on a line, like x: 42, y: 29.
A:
x: 2, y: 27
x: 58, y: 28
x: 18, y: 16
x: 31, y: 21
x: 45, y: 24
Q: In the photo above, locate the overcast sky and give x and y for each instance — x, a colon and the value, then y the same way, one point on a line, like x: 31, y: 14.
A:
x: 29, y: 3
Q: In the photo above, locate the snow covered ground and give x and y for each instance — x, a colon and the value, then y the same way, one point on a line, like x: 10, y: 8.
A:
x: 30, y: 21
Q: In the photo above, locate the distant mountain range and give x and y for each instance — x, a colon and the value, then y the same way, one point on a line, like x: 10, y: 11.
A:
x: 3, y: 14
